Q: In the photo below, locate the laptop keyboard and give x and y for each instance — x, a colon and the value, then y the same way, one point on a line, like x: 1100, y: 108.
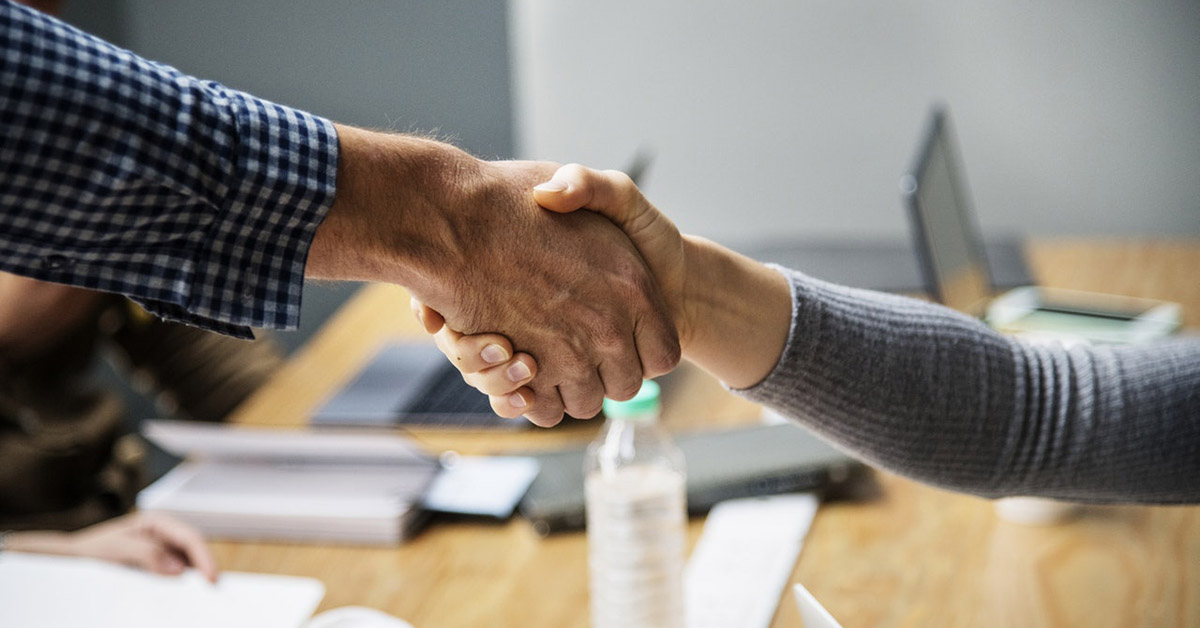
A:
x: 449, y: 402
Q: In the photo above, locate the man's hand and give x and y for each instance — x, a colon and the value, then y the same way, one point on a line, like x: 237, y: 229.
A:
x: 467, y: 238
x: 612, y: 194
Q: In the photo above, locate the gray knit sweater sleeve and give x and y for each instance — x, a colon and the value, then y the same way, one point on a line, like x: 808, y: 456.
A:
x: 937, y: 396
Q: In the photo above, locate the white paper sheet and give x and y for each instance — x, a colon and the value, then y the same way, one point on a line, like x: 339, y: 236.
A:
x: 59, y: 592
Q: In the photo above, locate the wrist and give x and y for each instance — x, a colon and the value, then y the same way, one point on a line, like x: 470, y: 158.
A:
x: 699, y: 301
x: 38, y: 542
x: 712, y: 301
x: 738, y: 313
x: 389, y: 221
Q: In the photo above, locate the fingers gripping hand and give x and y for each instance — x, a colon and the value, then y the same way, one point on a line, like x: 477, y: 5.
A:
x: 431, y: 320
x: 486, y: 362
x: 571, y: 290
x: 613, y: 195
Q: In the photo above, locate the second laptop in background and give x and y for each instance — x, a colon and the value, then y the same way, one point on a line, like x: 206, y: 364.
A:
x: 411, y: 385
x: 956, y: 268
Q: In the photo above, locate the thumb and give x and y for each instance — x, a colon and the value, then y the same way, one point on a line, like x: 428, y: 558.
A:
x: 610, y: 193
x: 430, y: 319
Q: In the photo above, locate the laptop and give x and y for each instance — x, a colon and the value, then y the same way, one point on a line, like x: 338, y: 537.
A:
x: 956, y: 273
x: 411, y: 384
x: 722, y: 465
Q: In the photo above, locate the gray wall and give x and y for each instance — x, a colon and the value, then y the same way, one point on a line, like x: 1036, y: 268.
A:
x: 774, y: 118
x: 768, y: 118
x: 402, y: 65
x: 437, y: 66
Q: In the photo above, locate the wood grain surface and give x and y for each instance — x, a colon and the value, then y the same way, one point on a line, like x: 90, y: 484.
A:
x: 911, y: 556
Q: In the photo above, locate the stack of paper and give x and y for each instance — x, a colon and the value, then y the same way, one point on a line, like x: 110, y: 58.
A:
x: 267, y: 484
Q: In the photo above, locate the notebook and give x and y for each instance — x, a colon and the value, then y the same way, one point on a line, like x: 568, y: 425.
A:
x: 323, y: 485
x: 291, y: 485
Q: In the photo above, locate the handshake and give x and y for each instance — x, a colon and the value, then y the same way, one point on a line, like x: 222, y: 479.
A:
x: 630, y: 324
x: 550, y: 288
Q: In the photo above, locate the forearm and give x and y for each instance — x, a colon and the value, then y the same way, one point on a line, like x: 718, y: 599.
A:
x: 929, y: 393
x: 736, y: 313
x: 385, y: 224
x: 125, y: 175
x: 39, y: 542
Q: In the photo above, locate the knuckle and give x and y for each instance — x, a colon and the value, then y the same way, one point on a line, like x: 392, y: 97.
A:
x: 624, y: 190
x: 574, y: 362
x: 663, y: 359
x: 635, y: 280
x: 588, y: 410
x: 497, y: 384
x: 584, y: 397
x: 620, y: 178
x: 625, y: 388
x: 546, y: 419
x: 574, y: 170
x: 474, y: 380
x: 502, y: 408
x: 607, y: 334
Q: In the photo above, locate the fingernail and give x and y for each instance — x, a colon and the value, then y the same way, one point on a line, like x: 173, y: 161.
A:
x: 516, y: 401
x: 518, y: 372
x: 552, y: 185
x: 493, y: 354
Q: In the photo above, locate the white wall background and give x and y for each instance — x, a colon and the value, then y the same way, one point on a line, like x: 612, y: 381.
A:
x: 778, y: 119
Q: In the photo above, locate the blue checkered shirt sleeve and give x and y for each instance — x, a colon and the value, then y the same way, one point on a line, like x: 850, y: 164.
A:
x: 124, y: 175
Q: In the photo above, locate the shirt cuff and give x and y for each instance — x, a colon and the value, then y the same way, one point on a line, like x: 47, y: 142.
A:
x: 124, y: 175
x: 249, y: 268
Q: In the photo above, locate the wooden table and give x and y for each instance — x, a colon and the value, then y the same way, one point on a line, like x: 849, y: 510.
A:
x: 914, y: 556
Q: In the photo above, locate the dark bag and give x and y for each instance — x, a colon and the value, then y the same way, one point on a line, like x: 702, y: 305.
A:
x: 63, y: 464
x: 66, y: 471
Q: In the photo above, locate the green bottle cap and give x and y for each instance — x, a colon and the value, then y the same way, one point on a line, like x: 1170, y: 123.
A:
x: 644, y: 402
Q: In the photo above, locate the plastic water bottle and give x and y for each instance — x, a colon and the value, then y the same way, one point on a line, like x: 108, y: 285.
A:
x: 636, y: 518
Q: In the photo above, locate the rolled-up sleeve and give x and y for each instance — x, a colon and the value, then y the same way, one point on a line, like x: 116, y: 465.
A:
x: 124, y: 175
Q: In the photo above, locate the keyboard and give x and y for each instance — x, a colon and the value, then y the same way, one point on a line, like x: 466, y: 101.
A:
x: 449, y: 402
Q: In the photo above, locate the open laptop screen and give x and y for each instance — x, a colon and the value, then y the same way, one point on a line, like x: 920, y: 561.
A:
x: 952, y: 258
